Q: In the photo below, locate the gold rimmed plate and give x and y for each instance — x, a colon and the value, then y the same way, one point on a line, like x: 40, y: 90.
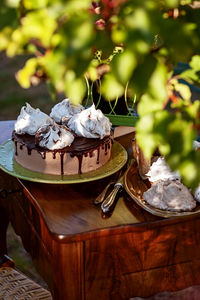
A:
x: 10, y: 166
x: 135, y: 186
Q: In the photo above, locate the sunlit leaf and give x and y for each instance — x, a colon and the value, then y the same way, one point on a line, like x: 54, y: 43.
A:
x: 140, y: 79
x: 23, y: 76
x: 111, y: 88
x: 147, y: 104
x: 39, y: 25
x: 195, y: 62
x: 189, y: 171
x: 138, y: 19
x: 123, y: 66
x: 75, y: 88
x: 181, y: 135
x: 34, y: 4
x: 158, y: 82
x: 190, y: 75
x: 13, y: 3
x: 5, y: 37
x: 119, y: 34
x: 183, y: 90
x: 172, y: 3
x: 145, y: 136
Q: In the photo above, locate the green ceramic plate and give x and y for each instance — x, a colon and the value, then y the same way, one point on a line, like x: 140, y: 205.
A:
x: 10, y: 166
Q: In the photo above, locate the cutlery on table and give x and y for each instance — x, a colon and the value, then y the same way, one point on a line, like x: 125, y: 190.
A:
x: 108, y: 196
x: 102, y: 196
x: 109, y: 201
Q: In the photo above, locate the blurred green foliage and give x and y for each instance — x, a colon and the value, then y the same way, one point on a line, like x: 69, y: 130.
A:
x: 140, y: 41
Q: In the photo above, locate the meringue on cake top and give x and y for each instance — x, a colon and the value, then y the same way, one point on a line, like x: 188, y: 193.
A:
x: 90, y: 123
x: 53, y: 137
x: 51, y: 148
x: 30, y: 120
x: 64, y: 110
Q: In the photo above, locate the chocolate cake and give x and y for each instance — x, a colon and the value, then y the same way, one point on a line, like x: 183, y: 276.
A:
x: 82, y: 156
x: 82, y: 143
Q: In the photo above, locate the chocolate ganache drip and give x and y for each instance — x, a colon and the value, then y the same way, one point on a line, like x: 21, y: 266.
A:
x: 80, y: 147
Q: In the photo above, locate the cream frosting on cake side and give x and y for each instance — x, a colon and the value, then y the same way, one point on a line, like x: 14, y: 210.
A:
x: 62, y: 163
x: 82, y: 156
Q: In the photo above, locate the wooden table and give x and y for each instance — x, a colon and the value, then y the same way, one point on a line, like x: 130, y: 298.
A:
x: 84, y: 255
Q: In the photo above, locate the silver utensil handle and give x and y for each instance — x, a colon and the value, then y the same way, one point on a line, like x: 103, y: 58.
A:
x: 101, y: 197
x: 109, y: 201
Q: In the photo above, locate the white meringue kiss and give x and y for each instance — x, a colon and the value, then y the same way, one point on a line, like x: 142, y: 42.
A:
x: 196, y: 145
x: 197, y: 194
x: 170, y: 195
x: 160, y: 170
x: 54, y: 137
x: 90, y: 123
x: 64, y: 109
x: 30, y: 120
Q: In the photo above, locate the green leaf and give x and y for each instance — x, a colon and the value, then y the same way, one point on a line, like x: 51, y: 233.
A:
x: 147, y: 143
x: 145, y: 136
x: 172, y: 3
x: 147, y: 105
x: 23, y: 76
x: 138, y: 19
x: 82, y: 35
x: 146, y: 123
x: 181, y: 136
x: 5, y: 38
x: 158, y: 82
x: 183, y: 90
x: 142, y: 74
x: 118, y: 34
x: 8, y: 16
x: 111, y: 88
x: 189, y: 172
x: 39, y: 25
x: 195, y: 63
x: 34, y: 4
x: 190, y: 75
x: 75, y: 88
x: 193, y: 110
x: 77, y: 6
x: 123, y: 66
x: 54, y: 66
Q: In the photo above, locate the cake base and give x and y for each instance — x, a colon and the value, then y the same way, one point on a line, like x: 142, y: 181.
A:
x: 83, y: 156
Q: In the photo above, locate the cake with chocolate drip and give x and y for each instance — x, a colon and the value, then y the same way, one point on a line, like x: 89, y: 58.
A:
x: 81, y: 146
